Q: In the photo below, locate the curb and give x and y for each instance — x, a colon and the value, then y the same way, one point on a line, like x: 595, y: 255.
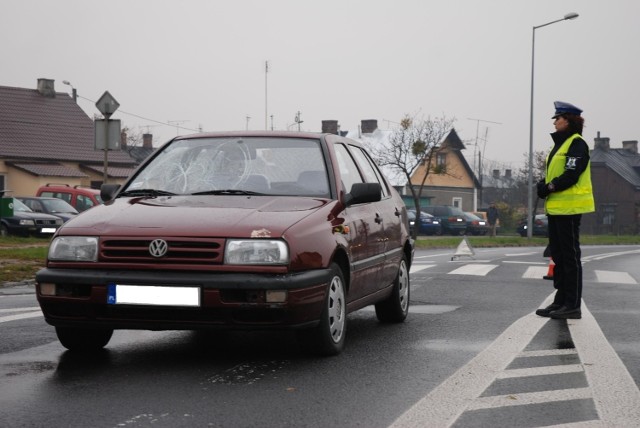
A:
x: 17, y: 288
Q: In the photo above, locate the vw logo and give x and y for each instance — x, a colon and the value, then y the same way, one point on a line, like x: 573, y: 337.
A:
x: 158, y: 248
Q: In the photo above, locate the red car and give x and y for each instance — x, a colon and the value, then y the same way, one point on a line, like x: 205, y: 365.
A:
x: 234, y: 230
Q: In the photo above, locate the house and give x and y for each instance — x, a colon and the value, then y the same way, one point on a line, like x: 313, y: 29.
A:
x: 615, y: 176
x: 45, y: 137
x: 450, y: 180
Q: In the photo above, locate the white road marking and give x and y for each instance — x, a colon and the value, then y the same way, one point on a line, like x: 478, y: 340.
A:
x: 21, y: 316
x: 613, y: 390
x: 473, y: 269
x: 535, y: 272
x: 614, y: 277
x: 31, y: 308
x: 418, y: 268
x: 615, y: 393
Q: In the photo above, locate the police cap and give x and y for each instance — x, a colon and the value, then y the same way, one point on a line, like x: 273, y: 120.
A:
x: 564, y: 108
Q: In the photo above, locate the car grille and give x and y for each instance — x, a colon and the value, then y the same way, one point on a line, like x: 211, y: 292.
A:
x: 179, y: 251
x: 46, y: 222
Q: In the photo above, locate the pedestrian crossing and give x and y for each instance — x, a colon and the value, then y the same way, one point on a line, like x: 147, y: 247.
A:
x: 532, y: 271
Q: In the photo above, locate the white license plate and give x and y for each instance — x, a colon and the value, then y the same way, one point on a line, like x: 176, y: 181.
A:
x: 48, y: 230
x: 119, y: 294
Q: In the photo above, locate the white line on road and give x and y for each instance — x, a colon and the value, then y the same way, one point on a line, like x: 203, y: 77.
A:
x: 31, y: 308
x: 21, y: 316
x: 614, y: 277
x: 473, y: 269
x: 418, y: 268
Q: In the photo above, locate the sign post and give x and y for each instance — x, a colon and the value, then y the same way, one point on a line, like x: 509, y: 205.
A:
x: 107, y: 105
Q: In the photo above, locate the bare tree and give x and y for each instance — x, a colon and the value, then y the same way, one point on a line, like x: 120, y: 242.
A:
x: 522, y: 176
x: 413, y: 144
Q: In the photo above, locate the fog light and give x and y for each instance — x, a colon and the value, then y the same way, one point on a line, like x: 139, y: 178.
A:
x: 276, y: 296
x: 47, y: 289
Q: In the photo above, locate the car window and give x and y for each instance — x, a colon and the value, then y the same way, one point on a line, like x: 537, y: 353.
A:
x: 83, y: 202
x: 268, y: 165
x: 369, y: 169
x: 348, y: 171
x: 19, y: 206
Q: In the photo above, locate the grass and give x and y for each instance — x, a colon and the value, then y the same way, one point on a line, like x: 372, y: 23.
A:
x: 21, y: 258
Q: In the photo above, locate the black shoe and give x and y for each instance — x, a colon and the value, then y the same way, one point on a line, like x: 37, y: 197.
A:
x: 566, y: 313
x: 546, y: 311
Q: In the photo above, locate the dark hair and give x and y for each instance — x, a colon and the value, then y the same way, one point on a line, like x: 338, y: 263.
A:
x: 576, y: 123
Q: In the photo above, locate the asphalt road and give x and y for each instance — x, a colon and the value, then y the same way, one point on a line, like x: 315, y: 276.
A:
x: 471, y: 353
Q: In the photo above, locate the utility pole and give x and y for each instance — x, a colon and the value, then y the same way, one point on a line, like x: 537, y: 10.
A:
x: 266, y: 71
x: 248, y: 118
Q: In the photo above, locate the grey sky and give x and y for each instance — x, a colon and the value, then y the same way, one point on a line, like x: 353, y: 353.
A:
x: 203, y: 62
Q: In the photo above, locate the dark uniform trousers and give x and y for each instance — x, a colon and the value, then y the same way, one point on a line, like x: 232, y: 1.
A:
x: 564, y: 242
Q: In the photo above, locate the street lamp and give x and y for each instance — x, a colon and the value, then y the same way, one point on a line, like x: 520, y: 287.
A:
x: 571, y: 15
x: 74, y: 93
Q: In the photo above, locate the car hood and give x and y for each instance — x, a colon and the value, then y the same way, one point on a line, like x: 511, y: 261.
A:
x: 25, y: 215
x: 195, y: 216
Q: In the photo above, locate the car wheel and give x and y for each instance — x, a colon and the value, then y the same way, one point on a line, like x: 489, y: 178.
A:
x: 396, y: 307
x: 4, y: 231
x: 329, y: 336
x: 83, y: 339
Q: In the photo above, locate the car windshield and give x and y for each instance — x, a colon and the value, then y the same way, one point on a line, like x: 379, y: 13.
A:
x: 19, y: 206
x: 58, y: 206
x: 234, y: 166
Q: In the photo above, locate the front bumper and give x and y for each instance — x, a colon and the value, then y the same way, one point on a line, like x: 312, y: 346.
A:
x: 227, y: 300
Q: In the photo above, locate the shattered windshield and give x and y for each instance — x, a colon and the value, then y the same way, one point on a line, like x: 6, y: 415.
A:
x: 235, y: 166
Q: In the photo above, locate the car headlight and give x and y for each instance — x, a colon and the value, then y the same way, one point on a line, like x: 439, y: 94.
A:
x: 27, y: 223
x: 74, y: 249
x: 256, y: 252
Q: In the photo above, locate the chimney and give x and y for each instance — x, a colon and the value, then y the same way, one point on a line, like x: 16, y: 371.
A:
x: 507, y: 174
x: 330, y: 126
x: 46, y: 88
x: 123, y: 140
x: 496, y: 173
x: 601, y: 143
x: 147, y: 141
x: 368, y: 126
x: 631, y: 146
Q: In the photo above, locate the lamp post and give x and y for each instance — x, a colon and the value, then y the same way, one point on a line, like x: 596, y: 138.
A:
x: 74, y: 93
x: 571, y: 15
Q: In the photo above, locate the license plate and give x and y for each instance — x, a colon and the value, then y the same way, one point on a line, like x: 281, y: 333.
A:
x: 48, y: 230
x: 120, y: 294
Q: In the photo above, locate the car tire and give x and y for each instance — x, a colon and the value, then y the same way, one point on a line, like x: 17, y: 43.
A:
x: 329, y: 336
x: 4, y: 231
x: 396, y: 308
x: 83, y: 339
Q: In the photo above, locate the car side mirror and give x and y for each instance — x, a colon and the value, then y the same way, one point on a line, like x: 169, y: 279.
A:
x: 362, y: 193
x: 108, y: 191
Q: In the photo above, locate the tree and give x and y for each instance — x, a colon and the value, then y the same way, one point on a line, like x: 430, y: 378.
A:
x: 413, y: 144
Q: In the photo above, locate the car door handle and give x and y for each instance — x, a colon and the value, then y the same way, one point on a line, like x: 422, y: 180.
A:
x: 397, y: 213
x: 378, y: 218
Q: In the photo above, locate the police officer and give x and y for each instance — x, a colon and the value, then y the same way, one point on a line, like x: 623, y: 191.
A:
x: 568, y: 194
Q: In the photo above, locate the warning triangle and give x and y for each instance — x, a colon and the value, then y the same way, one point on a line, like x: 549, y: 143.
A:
x: 464, y: 249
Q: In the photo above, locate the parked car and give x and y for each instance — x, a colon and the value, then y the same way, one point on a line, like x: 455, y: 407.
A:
x: 246, y: 230
x: 540, y: 226
x: 53, y: 206
x: 25, y: 222
x: 476, y: 225
x: 451, y: 218
x: 429, y: 225
x: 81, y: 198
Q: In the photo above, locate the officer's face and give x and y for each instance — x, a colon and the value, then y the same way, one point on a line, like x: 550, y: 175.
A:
x: 560, y: 123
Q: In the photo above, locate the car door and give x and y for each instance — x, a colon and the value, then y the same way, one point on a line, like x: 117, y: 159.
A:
x: 388, y: 212
x: 367, y: 233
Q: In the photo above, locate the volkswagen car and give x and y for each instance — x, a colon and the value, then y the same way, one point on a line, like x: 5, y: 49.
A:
x: 251, y: 230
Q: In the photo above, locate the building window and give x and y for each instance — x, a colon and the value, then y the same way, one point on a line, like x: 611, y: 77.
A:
x: 457, y: 202
x: 441, y: 163
x: 608, y: 214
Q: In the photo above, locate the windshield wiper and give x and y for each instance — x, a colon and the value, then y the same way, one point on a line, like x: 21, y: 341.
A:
x: 146, y: 192
x: 227, y: 192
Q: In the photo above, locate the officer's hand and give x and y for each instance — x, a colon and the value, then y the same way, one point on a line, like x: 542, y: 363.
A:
x: 543, y: 189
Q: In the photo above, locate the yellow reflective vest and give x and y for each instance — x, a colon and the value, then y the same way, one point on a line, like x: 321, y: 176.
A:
x: 577, y: 199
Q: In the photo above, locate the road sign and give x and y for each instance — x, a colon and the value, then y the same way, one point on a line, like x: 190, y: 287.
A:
x: 101, y: 135
x: 107, y: 104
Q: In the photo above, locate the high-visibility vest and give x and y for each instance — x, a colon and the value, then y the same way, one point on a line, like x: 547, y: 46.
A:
x: 577, y: 199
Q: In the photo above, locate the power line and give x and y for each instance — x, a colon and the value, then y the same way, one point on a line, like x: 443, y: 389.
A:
x: 146, y: 118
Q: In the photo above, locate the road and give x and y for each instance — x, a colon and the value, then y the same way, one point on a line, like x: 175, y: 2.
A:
x: 472, y: 353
